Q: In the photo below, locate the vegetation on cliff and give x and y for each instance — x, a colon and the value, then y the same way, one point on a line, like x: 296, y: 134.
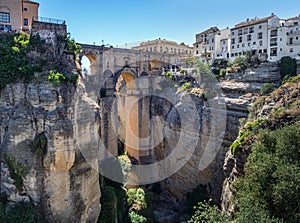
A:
x: 268, y: 188
x: 23, y: 56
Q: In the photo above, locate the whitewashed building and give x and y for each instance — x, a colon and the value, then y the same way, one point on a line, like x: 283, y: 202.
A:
x: 268, y: 39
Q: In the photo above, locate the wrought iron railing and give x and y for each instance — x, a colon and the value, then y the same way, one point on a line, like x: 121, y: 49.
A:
x: 49, y: 20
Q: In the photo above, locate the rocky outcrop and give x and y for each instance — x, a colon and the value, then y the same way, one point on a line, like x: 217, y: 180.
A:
x: 60, y: 180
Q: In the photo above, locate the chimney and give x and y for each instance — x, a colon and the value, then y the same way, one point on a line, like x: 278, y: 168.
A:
x: 272, y: 13
x: 248, y: 19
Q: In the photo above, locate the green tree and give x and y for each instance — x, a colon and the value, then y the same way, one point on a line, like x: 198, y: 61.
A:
x: 269, y: 191
x: 205, y: 213
x: 288, y: 66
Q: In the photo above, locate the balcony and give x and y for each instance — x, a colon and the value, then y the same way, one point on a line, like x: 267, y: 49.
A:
x: 49, y: 20
x: 273, y: 44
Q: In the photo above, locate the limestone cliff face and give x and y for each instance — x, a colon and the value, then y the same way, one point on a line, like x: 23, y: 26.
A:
x: 60, y: 181
x: 239, y: 91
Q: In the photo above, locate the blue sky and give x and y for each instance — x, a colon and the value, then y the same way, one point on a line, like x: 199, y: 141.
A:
x: 126, y: 21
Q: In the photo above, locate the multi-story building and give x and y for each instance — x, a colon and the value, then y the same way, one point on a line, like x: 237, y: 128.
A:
x: 284, y: 38
x: 251, y: 36
x: 205, y: 43
x: 222, y: 44
x: 268, y: 38
x: 164, y: 46
x: 17, y: 14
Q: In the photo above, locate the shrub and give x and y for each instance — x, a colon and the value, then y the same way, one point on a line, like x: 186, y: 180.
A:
x: 109, y: 205
x: 222, y: 72
x: 17, y: 171
x: 269, y: 191
x: 288, y: 66
x: 22, y: 212
x: 136, y: 198
x: 186, y: 86
x: 39, y: 144
x: 267, y: 88
x: 57, y: 78
x: 208, y: 214
x: 136, y: 218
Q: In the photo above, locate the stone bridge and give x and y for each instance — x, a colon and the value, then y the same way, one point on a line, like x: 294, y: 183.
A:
x: 124, y: 113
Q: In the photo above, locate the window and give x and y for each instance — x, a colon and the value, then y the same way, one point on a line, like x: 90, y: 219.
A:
x: 251, y: 29
x: 232, y: 33
x: 212, y: 40
x: 273, y: 52
x: 245, y: 30
x: 280, y: 39
x: 254, y: 43
x: 224, y: 41
x: 265, y: 50
x: 249, y: 44
x: 238, y: 46
x: 5, y: 28
x: 291, y: 50
x: 249, y: 38
x: 150, y: 49
x: 161, y: 49
x: 233, y: 41
x: 259, y: 27
x: 273, y: 42
x: 25, y: 9
x: 197, y: 46
x: 232, y: 47
x: 259, y: 35
x: 273, y: 32
x: 4, y: 17
x: 259, y: 51
x: 197, y: 52
x: 281, y: 49
x: 240, y: 39
x: 296, y: 37
x: 240, y: 32
x: 243, y: 45
x: 260, y: 43
x: 25, y: 22
x: 232, y: 55
x: 291, y: 40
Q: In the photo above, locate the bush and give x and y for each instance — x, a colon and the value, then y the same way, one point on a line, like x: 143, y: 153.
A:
x: 136, y: 218
x: 57, y: 78
x: 22, y: 212
x: 267, y: 88
x: 288, y: 66
x: 136, y: 199
x: 39, y: 144
x: 109, y: 205
x: 16, y: 171
x: 14, y: 63
x: 222, y: 72
x: 269, y: 191
x: 186, y: 86
x: 208, y: 214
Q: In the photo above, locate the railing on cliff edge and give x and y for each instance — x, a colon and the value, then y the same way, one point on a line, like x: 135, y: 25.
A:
x: 49, y: 20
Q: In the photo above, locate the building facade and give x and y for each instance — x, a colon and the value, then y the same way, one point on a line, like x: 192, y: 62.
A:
x: 165, y: 46
x: 17, y: 15
x: 268, y: 39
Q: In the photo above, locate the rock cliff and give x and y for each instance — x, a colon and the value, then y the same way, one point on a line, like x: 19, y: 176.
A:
x: 60, y: 180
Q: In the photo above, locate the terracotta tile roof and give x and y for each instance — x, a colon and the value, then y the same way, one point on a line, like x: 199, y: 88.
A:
x: 252, y: 22
x: 210, y: 30
x: 293, y: 18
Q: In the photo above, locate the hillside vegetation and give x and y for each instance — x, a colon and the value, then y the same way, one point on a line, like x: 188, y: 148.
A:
x: 268, y: 188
